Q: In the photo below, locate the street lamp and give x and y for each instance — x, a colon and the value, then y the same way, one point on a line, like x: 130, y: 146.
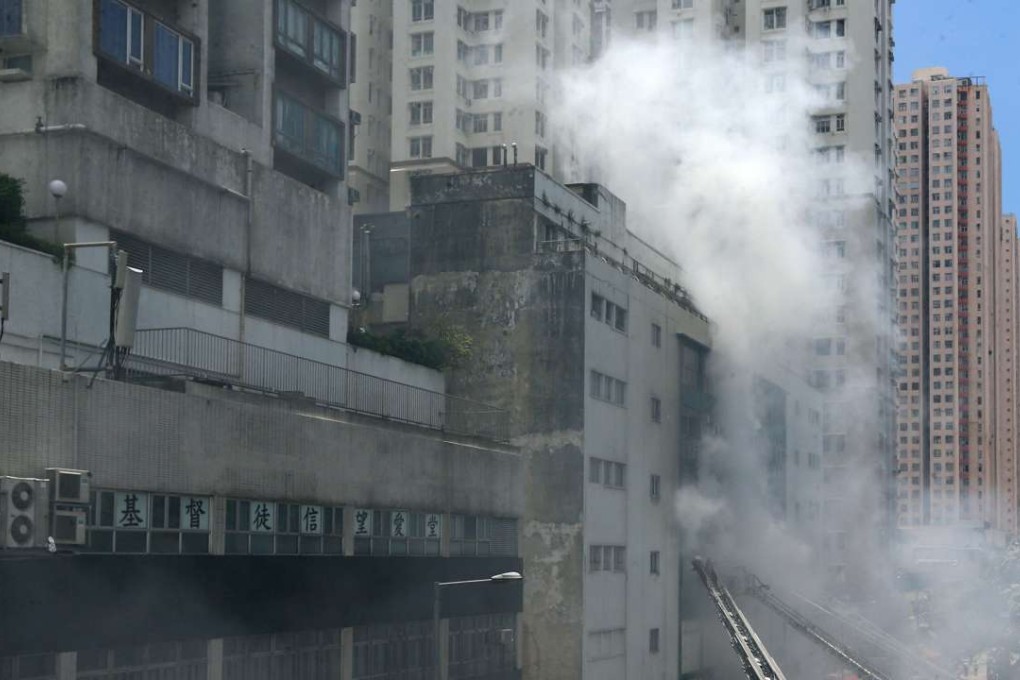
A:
x: 505, y: 577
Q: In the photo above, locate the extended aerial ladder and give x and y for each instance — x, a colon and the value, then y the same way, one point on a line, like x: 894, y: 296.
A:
x: 759, y: 664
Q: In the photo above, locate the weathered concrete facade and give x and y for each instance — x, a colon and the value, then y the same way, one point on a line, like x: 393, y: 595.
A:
x: 220, y: 165
x: 583, y: 343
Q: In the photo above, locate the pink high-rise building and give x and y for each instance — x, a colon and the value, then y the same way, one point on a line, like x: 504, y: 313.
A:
x: 956, y: 435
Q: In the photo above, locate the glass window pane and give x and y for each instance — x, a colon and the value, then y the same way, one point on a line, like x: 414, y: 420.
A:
x: 158, y: 512
x: 136, y: 36
x: 164, y: 542
x: 165, y: 54
x: 113, y: 29
x: 101, y: 541
x: 261, y: 544
x: 236, y: 544
x: 130, y: 541
x: 106, y: 509
x: 195, y: 543
x: 173, y: 518
x: 286, y: 544
x: 187, y: 65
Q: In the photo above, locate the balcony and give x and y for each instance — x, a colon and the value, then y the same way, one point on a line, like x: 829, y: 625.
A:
x: 311, y: 40
x: 310, y: 137
x: 183, y: 352
x: 135, y: 49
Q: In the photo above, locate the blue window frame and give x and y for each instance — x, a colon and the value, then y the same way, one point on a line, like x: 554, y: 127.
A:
x: 169, y: 60
x: 10, y: 17
x: 311, y: 39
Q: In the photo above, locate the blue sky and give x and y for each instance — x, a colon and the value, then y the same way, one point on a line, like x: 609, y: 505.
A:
x: 970, y: 38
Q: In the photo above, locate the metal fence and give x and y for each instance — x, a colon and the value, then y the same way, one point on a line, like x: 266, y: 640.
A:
x: 204, y: 356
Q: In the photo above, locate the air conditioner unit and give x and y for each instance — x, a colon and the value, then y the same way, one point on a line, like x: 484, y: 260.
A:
x: 69, y: 525
x: 24, y: 512
x: 69, y: 486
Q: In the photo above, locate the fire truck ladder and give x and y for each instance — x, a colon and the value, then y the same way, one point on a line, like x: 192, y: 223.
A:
x: 794, y: 618
x: 757, y: 662
x: 869, y: 633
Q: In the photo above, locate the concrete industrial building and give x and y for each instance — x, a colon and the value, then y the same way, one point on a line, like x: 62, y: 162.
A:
x: 957, y: 299
x: 471, y: 86
x: 210, y: 142
x: 849, y: 48
x: 580, y: 330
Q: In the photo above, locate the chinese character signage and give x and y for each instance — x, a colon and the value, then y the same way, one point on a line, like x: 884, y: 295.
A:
x: 195, y: 513
x: 262, y: 517
x: 362, y: 522
x: 398, y: 523
x: 433, y: 525
x: 311, y: 519
x: 131, y: 510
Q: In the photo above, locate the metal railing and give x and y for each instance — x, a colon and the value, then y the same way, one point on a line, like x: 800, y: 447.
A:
x: 204, y: 356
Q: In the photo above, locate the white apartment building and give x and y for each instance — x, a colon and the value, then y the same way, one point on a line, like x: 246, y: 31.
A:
x: 371, y: 104
x: 471, y: 84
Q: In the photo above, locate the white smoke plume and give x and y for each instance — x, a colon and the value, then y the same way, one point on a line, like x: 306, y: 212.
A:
x: 714, y: 154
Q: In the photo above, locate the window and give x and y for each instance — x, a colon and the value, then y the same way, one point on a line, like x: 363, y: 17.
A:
x: 420, y: 147
x: 541, y: 157
x: 541, y: 23
x: 10, y: 17
x: 170, y: 58
x: 482, y: 536
x: 309, y: 38
x: 656, y: 335
x: 683, y: 4
x: 480, y: 89
x: 497, y: 121
x: 653, y: 562
x: 607, y: 558
x: 480, y: 122
x: 656, y: 410
x: 653, y: 641
x: 655, y: 487
x: 422, y: 44
x: 645, y: 20
x: 421, y: 113
x: 605, y: 388
x: 121, y: 32
x: 773, y: 50
x: 421, y: 78
x: 606, y: 644
x: 610, y: 313
x: 423, y: 10
x: 481, y: 21
x: 308, y: 134
x: 140, y: 522
x: 267, y: 528
x: 774, y: 18
x: 823, y: 124
x: 608, y: 473
x: 398, y: 532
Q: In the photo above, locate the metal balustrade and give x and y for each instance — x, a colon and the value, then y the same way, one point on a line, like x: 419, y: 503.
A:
x: 204, y: 356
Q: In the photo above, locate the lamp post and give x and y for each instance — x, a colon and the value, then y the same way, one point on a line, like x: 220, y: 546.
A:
x: 505, y: 577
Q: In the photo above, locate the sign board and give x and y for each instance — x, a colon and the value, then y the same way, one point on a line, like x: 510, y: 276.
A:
x: 131, y: 510
x: 311, y: 519
x: 261, y: 518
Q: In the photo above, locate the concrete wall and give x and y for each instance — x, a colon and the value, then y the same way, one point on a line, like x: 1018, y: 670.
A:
x: 32, y: 331
x: 473, y: 264
x: 208, y: 443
